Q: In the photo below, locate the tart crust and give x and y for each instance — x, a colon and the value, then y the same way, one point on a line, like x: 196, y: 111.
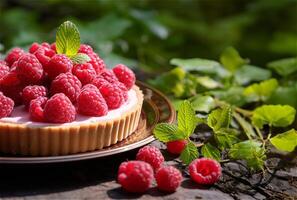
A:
x: 63, y: 140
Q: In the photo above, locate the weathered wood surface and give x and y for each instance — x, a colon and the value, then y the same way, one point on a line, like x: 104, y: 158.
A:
x: 95, y: 179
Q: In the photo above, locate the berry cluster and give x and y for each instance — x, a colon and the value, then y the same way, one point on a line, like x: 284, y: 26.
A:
x: 137, y: 176
x: 54, y: 89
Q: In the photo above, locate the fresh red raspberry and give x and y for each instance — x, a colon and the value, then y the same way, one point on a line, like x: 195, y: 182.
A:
x: 151, y: 155
x: 45, y: 44
x: 4, y: 69
x: 14, y: 55
x: 135, y: 176
x: 36, y: 109
x: 111, y: 93
x: 205, y: 171
x: 124, y: 75
x: 6, y: 105
x: 97, y: 63
x: 11, y: 86
x: 68, y: 84
x: 34, y: 47
x: 44, y: 54
x: 54, y: 47
x: 84, y: 48
x: 111, y: 77
x: 32, y: 92
x: 176, y: 147
x: 58, y: 64
x: 84, y: 72
x: 2, y: 62
x: 59, y: 109
x: 90, y: 102
x: 29, y: 70
x: 168, y: 179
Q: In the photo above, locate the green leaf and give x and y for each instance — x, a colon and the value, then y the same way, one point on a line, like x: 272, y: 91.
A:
x: 246, y: 126
x: 80, y: 58
x: 260, y: 91
x: 251, y: 151
x: 284, y: 67
x: 220, y: 118
x: 167, y: 132
x: 208, y: 82
x: 273, y: 115
x: 233, y: 95
x: 200, y: 65
x: 249, y: 73
x: 285, y: 95
x: 286, y: 141
x: 226, y: 137
x: 231, y: 59
x: 203, y: 103
x: 67, y: 39
x: 209, y: 151
x: 189, y: 153
x: 186, y: 118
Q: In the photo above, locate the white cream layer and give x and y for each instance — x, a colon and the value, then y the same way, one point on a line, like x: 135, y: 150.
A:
x: 20, y: 116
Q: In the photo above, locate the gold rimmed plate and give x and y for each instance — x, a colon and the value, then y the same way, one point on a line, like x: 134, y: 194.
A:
x: 156, y: 108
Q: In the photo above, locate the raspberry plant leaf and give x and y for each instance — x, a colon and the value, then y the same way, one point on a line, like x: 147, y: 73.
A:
x: 220, y: 118
x: 260, y: 91
x: 249, y: 73
x: 209, y: 151
x: 80, y: 58
x: 189, y: 153
x: 231, y: 59
x: 273, y: 115
x: 226, y: 137
x: 284, y: 67
x: 286, y: 141
x: 186, y: 118
x: 203, y: 103
x: 67, y: 39
x: 167, y: 132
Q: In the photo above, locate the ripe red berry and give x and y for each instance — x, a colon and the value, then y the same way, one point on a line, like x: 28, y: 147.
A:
x: 11, y: 87
x: 59, y: 109
x: 6, y: 105
x: 68, y: 84
x: 84, y: 48
x: 32, y: 92
x: 14, y: 55
x: 29, y: 70
x: 53, y: 47
x: 34, y: 47
x: 205, y: 171
x: 124, y: 75
x: 90, y: 102
x: 58, y: 64
x: 84, y: 72
x: 4, y: 69
x: 97, y: 63
x: 151, y: 155
x: 45, y: 44
x: 135, y: 176
x: 168, y: 179
x: 176, y: 147
x: 36, y: 109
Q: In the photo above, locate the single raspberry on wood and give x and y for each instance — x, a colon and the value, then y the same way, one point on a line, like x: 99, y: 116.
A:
x: 176, y: 147
x: 58, y: 64
x: 68, y: 84
x: 14, y: 55
x: 151, y: 155
x: 205, y: 171
x: 29, y: 70
x: 135, y: 176
x: 84, y: 72
x: 124, y: 75
x: 32, y: 92
x: 6, y: 105
x: 90, y: 102
x: 168, y: 179
x: 97, y: 63
x: 59, y: 109
x: 36, y: 109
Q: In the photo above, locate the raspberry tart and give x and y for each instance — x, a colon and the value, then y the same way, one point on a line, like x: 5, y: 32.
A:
x: 60, y: 99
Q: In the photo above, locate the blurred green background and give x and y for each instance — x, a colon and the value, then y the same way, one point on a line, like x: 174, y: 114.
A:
x: 148, y: 33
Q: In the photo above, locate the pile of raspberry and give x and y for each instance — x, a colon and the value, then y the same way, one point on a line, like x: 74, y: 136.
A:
x: 54, y: 89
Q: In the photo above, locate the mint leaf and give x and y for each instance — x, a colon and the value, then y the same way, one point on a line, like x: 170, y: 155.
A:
x: 284, y: 67
x: 189, y: 153
x: 67, y: 39
x: 249, y: 73
x: 286, y: 141
x: 226, y: 137
x: 203, y: 103
x: 167, y: 132
x: 219, y: 118
x: 209, y: 151
x: 231, y: 59
x: 186, y: 118
x: 80, y: 58
x: 273, y: 115
x: 251, y: 151
x: 261, y: 91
